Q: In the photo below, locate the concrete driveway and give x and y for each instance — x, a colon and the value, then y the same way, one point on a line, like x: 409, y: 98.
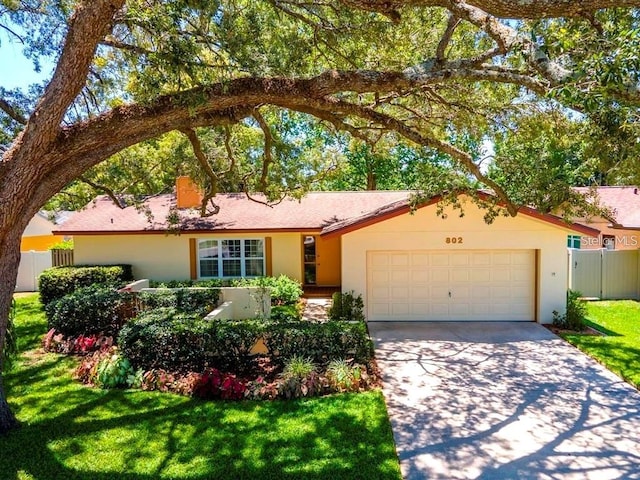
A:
x: 503, y: 400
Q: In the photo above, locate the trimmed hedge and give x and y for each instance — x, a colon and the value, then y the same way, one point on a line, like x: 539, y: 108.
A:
x: 188, y: 300
x: 170, y: 340
x: 90, y: 310
x: 56, y: 282
x: 319, y: 342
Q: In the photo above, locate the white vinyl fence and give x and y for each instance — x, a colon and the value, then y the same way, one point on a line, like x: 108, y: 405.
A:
x: 605, y: 274
x: 32, y: 264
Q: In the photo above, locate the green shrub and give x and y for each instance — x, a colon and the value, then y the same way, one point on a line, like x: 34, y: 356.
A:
x: 170, y: 340
x: 108, y: 369
x: 346, y: 306
x: 284, y: 290
x: 90, y: 310
x: 62, y: 245
x: 56, y: 282
x: 189, y: 300
x: 300, y: 379
x: 115, y: 371
x: 342, y: 376
x: 286, y: 313
x: 321, y: 342
x: 574, y: 317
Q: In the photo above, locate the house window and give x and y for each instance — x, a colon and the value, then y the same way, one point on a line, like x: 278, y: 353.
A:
x: 231, y: 258
x: 609, y: 242
x: 573, y: 241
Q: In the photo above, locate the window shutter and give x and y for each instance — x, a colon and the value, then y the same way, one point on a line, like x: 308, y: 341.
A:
x: 268, y: 257
x: 193, y: 258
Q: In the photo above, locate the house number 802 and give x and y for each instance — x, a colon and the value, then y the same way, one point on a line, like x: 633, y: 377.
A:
x: 453, y: 240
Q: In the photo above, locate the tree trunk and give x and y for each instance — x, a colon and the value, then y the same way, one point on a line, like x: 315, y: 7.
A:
x: 10, y: 234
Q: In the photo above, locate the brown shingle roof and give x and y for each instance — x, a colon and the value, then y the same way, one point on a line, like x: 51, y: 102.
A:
x: 625, y: 201
x: 313, y: 212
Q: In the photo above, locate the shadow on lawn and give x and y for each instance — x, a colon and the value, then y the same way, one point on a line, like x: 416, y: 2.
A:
x: 89, y: 433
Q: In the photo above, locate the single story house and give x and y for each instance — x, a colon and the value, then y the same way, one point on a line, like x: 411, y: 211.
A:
x: 38, y: 235
x: 622, y: 230
x: 407, y: 265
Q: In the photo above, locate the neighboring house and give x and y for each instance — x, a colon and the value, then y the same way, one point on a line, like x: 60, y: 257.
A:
x: 406, y: 265
x: 38, y: 235
x: 622, y: 232
x: 34, y: 251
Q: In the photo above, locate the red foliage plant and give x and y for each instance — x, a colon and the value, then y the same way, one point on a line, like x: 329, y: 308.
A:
x: 215, y: 384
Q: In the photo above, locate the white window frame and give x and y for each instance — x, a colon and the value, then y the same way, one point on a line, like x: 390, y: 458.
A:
x: 243, y: 259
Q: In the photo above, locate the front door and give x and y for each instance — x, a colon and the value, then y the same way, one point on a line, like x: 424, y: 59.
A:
x: 321, y: 260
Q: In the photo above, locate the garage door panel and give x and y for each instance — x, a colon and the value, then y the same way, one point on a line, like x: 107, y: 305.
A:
x: 400, y: 310
x: 439, y: 310
x: 461, y: 285
x: 420, y: 276
x: 400, y: 293
x: 480, y: 292
x: 439, y: 275
x: 521, y: 258
x: 419, y: 259
x: 458, y: 275
x: 521, y: 275
x: 480, y: 259
x: 420, y: 309
x: 501, y: 275
x: 439, y: 292
x: 400, y: 260
x: 400, y: 276
x: 380, y: 276
x: 379, y: 259
x: 380, y: 293
x: 440, y: 260
x: 501, y: 258
x: 480, y: 275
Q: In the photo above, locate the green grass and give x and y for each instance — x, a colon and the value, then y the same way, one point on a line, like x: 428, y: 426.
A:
x: 72, y: 431
x: 619, y: 350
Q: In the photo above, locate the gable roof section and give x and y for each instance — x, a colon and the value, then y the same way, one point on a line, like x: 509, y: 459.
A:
x: 237, y: 213
x: 401, y: 207
x: 331, y: 213
x: 625, y: 202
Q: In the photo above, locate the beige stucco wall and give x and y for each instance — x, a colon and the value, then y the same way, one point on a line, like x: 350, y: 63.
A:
x: 424, y: 230
x: 166, y: 257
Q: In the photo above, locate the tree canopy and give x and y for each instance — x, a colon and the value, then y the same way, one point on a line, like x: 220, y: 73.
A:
x: 264, y: 95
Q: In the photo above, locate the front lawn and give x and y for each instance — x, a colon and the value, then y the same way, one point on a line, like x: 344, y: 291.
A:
x: 619, y: 350
x: 72, y: 431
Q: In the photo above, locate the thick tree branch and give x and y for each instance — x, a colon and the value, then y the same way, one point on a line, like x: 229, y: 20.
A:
x: 515, y: 9
x: 212, y: 189
x: 268, y: 147
x: 452, y: 23
x: 12, y: 112
x: 104, y: 189
x: 89, y: 24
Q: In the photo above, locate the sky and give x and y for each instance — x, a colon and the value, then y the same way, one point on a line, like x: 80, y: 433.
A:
x: 15, y: 69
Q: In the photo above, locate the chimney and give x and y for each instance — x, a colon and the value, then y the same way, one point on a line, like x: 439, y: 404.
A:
x: 188, y: 194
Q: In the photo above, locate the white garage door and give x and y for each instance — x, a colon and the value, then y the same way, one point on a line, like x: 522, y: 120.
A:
x: 463, y: 285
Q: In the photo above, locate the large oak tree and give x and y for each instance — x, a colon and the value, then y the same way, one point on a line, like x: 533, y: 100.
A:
x: 427, y: 73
